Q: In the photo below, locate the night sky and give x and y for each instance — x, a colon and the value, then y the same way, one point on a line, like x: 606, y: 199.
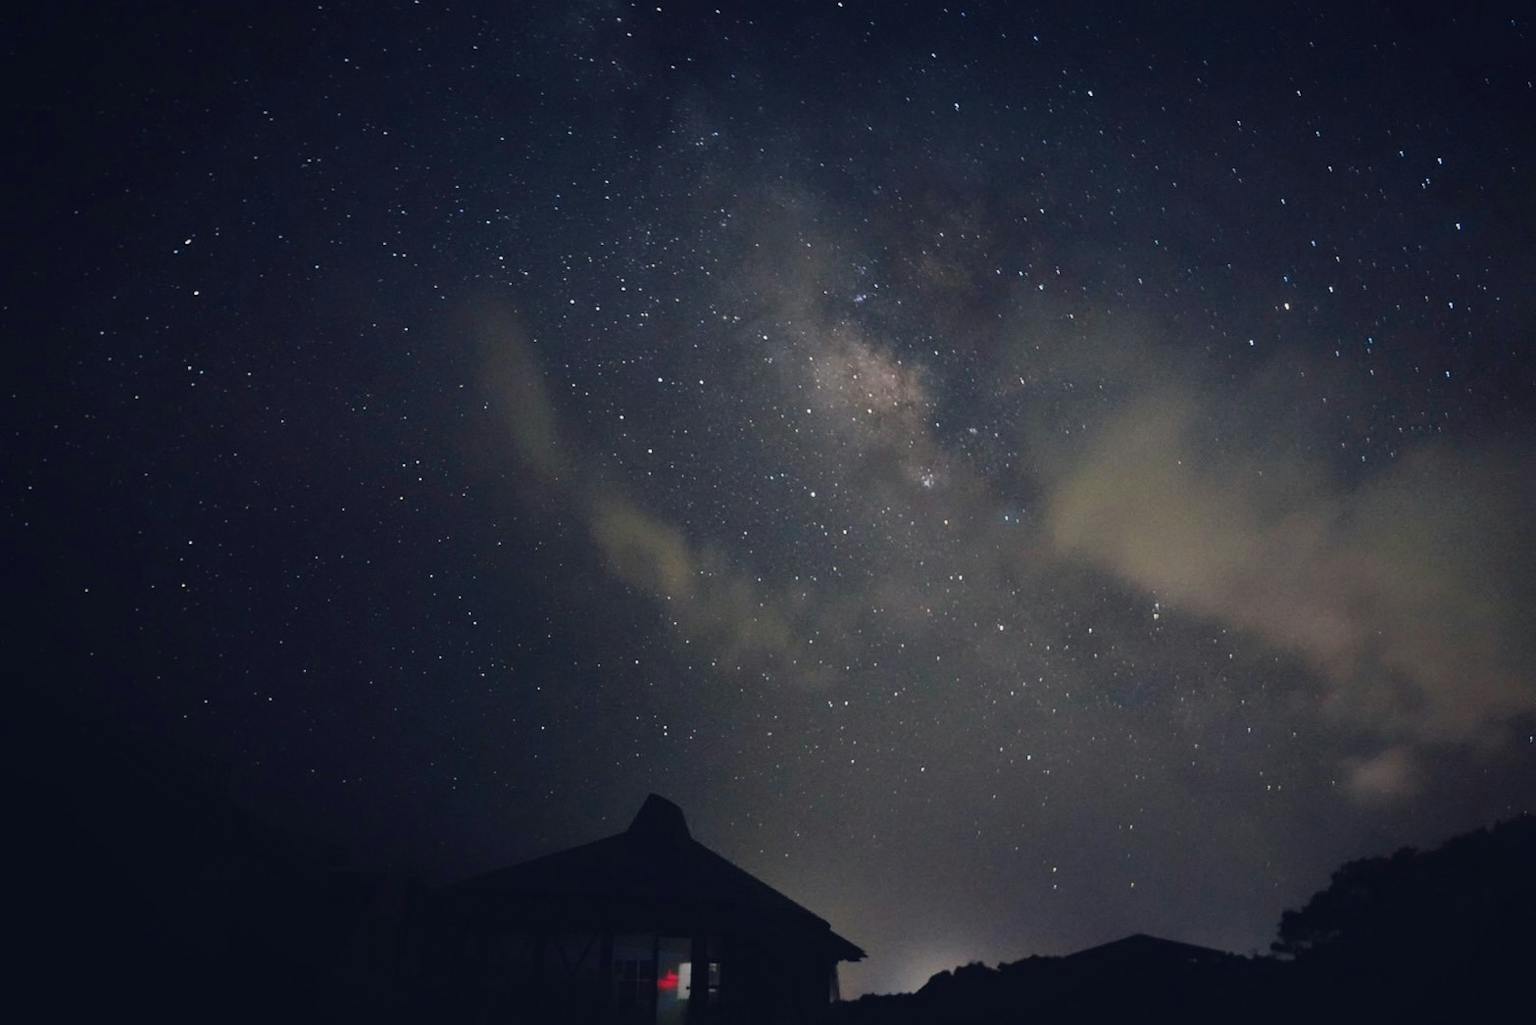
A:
x: 1014, y: 477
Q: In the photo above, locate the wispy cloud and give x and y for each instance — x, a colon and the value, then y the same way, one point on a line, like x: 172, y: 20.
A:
x: 709, y: 600
x: 1398, y: 587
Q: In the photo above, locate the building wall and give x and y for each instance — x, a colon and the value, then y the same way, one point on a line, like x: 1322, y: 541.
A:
x: 493, y: 969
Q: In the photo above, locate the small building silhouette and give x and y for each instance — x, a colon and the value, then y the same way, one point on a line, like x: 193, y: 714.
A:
x: 1151, y: 952
x: 647, y: 926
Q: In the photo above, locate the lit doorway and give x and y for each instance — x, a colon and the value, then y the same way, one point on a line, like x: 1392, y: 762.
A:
x: 674, y: 979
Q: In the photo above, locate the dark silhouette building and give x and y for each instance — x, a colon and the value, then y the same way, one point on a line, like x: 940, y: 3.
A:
x: 1150, y: 953
x: 647, y: 926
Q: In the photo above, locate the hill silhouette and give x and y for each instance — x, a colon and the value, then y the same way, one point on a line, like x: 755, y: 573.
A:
x: 1138, y: 977
x: 1442, y: 935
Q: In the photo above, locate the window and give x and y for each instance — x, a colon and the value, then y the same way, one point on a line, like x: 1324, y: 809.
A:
x: 634, y: 970
x: 657, y: 971
x: 712, y: 997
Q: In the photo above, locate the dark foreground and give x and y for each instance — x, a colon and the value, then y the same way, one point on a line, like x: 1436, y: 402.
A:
x: 1437, y: 936
x: 150, y: 893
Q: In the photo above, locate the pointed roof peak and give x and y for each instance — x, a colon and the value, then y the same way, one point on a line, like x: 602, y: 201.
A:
x: 656, y: 861
x: 660, y: 819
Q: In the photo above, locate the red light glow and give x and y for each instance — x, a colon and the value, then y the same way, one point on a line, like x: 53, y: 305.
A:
x: 667, y: 981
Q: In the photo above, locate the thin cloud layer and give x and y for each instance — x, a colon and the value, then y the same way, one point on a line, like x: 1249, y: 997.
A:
x: 1398, y: 589
x: 708, y: 601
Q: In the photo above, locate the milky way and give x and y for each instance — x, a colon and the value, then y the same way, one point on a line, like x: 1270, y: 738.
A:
x: 1014, y: 478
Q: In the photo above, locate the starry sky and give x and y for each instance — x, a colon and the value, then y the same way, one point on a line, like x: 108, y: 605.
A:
x: 1015, y: 475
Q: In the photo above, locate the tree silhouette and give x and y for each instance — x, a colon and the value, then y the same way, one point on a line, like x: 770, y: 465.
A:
x: 1475, y: 893
x: 1422, y: 934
